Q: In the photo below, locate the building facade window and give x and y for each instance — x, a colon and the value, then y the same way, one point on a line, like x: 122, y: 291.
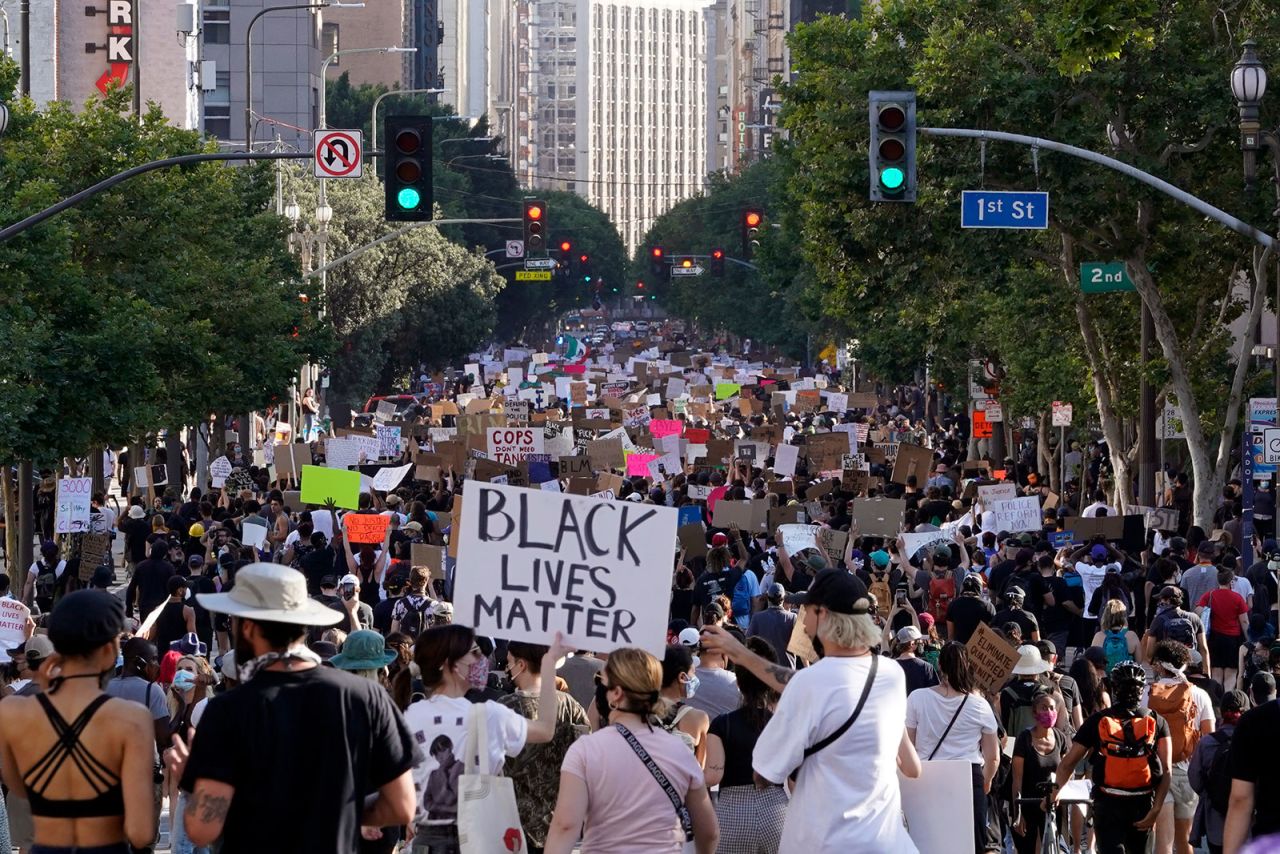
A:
x: 217, y: 25
x: 329, y: 42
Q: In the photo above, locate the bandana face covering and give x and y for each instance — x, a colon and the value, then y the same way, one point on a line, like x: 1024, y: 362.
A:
x: 250, y: 669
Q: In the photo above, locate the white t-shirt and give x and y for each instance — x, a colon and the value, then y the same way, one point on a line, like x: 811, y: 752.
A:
x: 1200, y: 699
x: 1091, y: 577
x: 846, y: 796
x: 1092, y: 510
x: 929, y: 712
x: 440, y: 723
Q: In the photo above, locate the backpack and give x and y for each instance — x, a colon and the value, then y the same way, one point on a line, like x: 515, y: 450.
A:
x: 1126, y: 757
x: 413, y: 621
x: 879, y: 588
x: 46, y: 580
x: 1219, y: 790
x: 673, y: 726
x: 1116, y: 647
x: 941, y: 592
x: 1017, y: 700
x: 1178, y: 627
x: 1175, y: 704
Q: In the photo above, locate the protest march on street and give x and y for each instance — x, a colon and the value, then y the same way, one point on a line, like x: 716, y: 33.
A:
x: 653, y: 598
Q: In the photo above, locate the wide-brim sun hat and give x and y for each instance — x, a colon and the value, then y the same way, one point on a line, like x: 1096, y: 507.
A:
x: 363, y: 650
x: 270, y: 593
x: 1029, y: 661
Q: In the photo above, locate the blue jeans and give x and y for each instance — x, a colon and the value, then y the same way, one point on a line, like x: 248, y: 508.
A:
x: 178, y: 841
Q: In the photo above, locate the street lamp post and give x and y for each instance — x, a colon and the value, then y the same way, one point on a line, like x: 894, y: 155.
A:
x: 248, y: 56
x: 373, y: 114
x: 324, y: 67
x: 1248, y: 85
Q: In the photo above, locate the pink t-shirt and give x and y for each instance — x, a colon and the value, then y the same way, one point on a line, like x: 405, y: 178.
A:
x: 627, y: 811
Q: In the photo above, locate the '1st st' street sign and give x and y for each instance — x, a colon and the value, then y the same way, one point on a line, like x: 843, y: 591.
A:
x: 1003, y: 209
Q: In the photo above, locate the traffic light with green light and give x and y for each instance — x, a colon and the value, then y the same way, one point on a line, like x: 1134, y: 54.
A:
x: 892, y: 148
x: 407, y: 168
x: 584, y: 267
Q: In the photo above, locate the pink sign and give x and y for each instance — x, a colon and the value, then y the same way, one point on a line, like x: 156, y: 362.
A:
x: 660, y: 427
x: 574, y: 369
x: 638, y: 464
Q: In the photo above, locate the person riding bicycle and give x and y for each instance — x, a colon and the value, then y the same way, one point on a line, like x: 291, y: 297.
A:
x: 1132, y: 754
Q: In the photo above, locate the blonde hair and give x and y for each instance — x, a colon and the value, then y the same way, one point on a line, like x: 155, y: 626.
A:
x: 848, y: 630
x: 337, y: 637
x: 1114, y: 615
x: 639, y: 675
x: 204, y: 683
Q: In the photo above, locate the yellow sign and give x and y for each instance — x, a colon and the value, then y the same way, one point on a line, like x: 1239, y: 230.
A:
x: 533, y: 275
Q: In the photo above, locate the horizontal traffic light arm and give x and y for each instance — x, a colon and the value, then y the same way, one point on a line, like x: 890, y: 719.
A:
x: 401, y: 232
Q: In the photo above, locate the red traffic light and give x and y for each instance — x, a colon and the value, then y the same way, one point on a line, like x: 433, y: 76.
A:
x: 565, y: 246
x: 582, y: 258
x: 717, y: 254
x: 657, y: 252
x: 753, y: 219
x: 639, y: 284
x: 533, y: 212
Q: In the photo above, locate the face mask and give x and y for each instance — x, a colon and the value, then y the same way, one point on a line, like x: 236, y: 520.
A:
x: 184, y: 680
x: 691, y: 686
x: 478, y: 674
x: 1047, y: 718
x: 602, y: 703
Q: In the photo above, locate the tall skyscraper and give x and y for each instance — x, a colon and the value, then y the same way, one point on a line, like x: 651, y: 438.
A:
x: 749, y: 52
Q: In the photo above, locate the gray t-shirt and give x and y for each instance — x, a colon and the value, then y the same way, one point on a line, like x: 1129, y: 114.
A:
x: 141, y: 691
x: 1199, y: 580
x: 717, y: 692
x: 579, y: 672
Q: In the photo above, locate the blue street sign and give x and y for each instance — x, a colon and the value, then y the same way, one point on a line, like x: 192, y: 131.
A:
x: 1000, y: 209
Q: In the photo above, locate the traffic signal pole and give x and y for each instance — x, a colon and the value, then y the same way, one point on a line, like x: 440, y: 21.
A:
x: 400, y: 232
x: 1194, y: 202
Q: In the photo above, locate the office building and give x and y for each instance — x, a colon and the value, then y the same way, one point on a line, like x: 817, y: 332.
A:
x: 384, y: 23
x: 748, y: 54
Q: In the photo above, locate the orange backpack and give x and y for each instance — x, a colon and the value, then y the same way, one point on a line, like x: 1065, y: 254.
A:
x: 1126, y: 758
x: 1174, y: 704
x: 941, y: 592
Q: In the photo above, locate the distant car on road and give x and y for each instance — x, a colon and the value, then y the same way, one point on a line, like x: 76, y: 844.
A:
x: 402, y: 402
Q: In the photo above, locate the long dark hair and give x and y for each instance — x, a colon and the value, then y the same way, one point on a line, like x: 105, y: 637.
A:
x: 1089, y: 684
x: 954, y: 664
x: 756, y: 695
x: 436, y: 649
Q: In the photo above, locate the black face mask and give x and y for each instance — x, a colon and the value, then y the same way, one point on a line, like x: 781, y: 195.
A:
x: 602, y: 704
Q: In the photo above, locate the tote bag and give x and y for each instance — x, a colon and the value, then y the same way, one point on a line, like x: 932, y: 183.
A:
x: 488, y: 820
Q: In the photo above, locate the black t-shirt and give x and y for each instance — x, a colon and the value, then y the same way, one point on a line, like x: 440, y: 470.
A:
x: 1055, y: 618
x: 1037, y: 768
x: 316, y: 564
x: 966, y: 612
x: 382, y: 615
x: 710, y: 585
x: 151, y: 583
x: 738, y: 734
x: 919, y: 673
x: 1255, y: 755
x: 999, y: 577
x: 312, y: 744
x: 1025, y: 620
x: 1034, y: 586
x: 135, y: 538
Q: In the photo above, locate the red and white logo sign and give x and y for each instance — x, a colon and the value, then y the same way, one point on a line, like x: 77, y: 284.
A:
x: 338, y: 153
x: 119, y: 44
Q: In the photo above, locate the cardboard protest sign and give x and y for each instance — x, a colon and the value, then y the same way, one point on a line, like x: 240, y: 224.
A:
x: 533, y: 563
x: 365, y: 527
x: 510, y: 445
x: 389, y: 478
x: 997, y: 492
x: 819, y: 489
x: 693, y: 539
x: 290, y: 457
x: 321, y: 485
x: 1162, y: 519
x: 784, y: 460
x: 1017, y: 514
x: 913, y: 543
x: 992, y: 657
x: 699, y: 493
x: 385, y: 411
x: 95, y: 550
x: 941, y: 781
x: 732, y: 513
x: 432, y: 557
x: 572, y: 466
x: 154, y: 475
x: 831, y: 542
x: 879, y: 517
x: 826, y: 450
x: 13, y: 625
x: 71, y: 509
x: 799, y: 643
x: 796, y: 538
x: 388, y: 440
x: 863, y: 400
x: 778, y: 516
x: 912, y: 460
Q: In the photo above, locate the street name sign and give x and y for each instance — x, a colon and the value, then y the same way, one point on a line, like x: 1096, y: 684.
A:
x: 686, y: 271
x: 1097, y: 277
x: 1004, y: 209
x: 540, y: 264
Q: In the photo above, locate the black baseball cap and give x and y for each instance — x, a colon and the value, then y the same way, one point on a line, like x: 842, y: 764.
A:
x: 836, y: 590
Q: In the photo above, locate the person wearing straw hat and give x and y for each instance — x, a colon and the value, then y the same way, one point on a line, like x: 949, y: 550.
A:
x: 332, y: 747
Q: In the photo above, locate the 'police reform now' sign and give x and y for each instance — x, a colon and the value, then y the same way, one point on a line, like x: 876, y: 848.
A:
x: 531, y: 563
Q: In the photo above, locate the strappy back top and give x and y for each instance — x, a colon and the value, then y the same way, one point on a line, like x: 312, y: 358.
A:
x: 109, y: 797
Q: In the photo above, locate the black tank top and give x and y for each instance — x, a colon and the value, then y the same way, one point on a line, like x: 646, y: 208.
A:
x: 170, y: 626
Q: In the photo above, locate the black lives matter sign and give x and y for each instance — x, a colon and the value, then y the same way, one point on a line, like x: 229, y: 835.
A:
x: 531, y: 563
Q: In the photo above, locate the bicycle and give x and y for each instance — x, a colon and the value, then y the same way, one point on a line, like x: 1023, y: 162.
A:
x: 1051, y: 841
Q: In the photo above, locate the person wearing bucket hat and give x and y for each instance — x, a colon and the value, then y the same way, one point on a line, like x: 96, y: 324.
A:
x: 106, y: 754
x: 364, y: 652
x: 248, y: 768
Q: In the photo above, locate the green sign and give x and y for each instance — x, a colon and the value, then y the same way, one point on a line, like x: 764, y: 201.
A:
x: 1099, y: 278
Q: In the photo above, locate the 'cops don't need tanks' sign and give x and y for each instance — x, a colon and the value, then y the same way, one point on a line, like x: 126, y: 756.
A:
x: 531, y: 563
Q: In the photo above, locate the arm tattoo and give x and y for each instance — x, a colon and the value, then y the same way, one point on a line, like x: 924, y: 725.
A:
x: 213, y: 808
x: 781, y: 674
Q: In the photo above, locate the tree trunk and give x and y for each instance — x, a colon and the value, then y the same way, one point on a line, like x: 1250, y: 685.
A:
x: 1102, y: 387
x: 1048, y: 464
x: 10, y: 496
